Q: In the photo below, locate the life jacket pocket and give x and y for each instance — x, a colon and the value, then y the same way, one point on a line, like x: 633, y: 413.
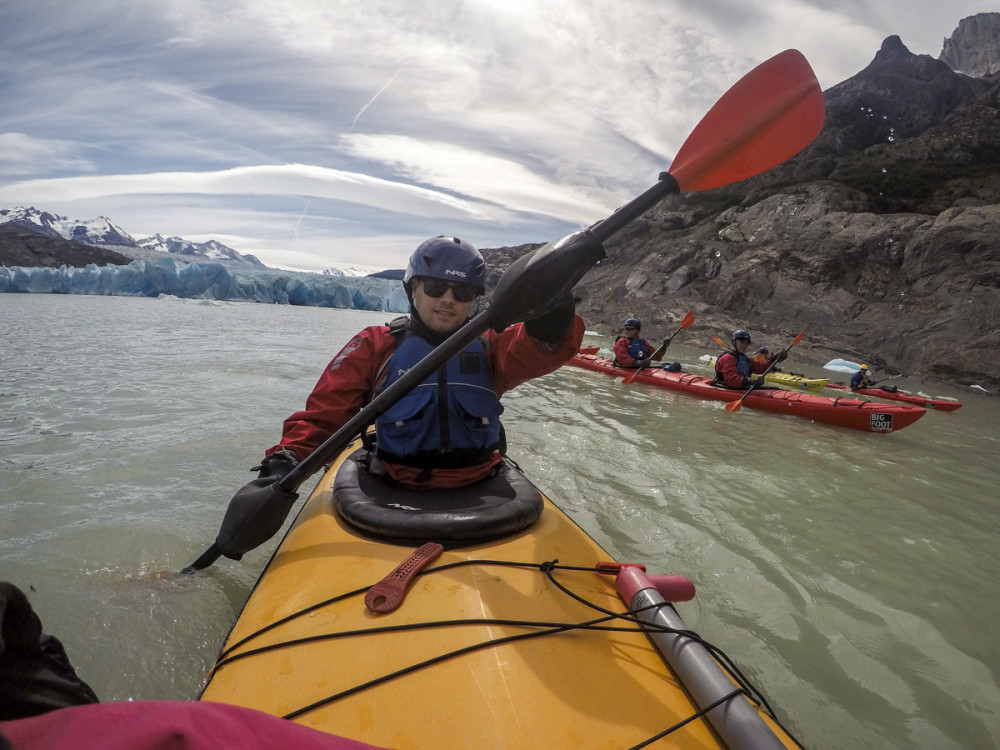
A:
x: 407, y: 427
x: 479, y: 413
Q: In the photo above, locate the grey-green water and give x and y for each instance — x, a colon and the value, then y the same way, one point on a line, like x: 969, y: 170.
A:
x: 852, y: 575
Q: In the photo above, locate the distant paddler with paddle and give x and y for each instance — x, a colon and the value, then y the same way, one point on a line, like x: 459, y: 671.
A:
x: 633, y: 351
x: 861, y: 379
x: 735, y: 369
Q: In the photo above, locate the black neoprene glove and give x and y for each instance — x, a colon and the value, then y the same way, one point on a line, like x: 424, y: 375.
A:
x: 757, y: 382
x: 642, y: 364
x: 781, y: 356
x: 278, y: 464
x: 665, y: 343
x: 258, y: 508
x: 553, y: 326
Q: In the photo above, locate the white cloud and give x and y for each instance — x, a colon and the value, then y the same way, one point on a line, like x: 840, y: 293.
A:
x: 502, y: 181
x: 20, y: 154
x: 291, y: 179
x: 510, y: 120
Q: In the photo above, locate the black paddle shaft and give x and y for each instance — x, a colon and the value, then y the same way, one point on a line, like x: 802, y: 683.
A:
x: 788, y: 116
x: 530, y: 287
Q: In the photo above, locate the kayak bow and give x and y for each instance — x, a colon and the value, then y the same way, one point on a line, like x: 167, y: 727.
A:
x: 513, y: 642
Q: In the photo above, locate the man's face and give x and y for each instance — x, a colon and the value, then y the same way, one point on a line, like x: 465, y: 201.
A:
x: 741, y: 345
x: 442, y: 313
x: 631, y: 332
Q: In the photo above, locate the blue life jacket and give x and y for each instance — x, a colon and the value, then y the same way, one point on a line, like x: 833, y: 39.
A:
x: 639, y: 348
x: 451, y: 420
x: 742, y: 365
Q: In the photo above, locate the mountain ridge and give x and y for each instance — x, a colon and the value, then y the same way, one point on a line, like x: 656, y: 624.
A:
x: 880, y: 238
x: 104, y: 234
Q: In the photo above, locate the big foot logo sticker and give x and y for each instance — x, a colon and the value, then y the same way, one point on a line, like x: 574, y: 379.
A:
x: 880, y: 422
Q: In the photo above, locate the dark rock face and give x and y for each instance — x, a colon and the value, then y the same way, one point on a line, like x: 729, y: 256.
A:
x: 880, y: 240
x: 974, y: 48
x: 25, y: 247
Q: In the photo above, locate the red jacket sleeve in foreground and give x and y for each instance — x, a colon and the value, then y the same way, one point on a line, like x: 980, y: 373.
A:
x: 517, y: 357
x: 340, y: 393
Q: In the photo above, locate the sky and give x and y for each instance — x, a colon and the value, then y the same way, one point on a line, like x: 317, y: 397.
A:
x: 331, y: 134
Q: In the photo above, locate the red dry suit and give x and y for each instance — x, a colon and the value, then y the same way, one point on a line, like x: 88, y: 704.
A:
x: 734, y: 370
x: 358, y: 370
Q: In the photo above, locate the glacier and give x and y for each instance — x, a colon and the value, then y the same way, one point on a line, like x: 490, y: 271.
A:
x: 199, y: 280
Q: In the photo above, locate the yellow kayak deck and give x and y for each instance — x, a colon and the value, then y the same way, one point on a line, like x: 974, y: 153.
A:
x: 791, y: 380
x: 485, y: 651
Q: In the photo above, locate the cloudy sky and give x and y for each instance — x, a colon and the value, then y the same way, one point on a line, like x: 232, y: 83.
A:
x: 324, y: 133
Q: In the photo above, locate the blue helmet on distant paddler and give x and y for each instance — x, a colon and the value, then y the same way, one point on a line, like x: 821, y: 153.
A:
x: 741, y: 335
x: 447, y: 259
x: 633, y: 323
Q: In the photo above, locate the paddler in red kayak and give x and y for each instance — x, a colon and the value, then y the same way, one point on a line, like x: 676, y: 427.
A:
x: 861, y: 379
x: 735, y: 369
x: 633, y: 351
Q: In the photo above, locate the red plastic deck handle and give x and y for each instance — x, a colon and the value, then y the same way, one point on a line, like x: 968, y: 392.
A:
x: 389, y: 593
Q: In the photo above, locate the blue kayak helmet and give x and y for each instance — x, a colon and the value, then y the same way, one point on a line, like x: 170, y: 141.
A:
x: 448, y: 259
x: 741, y: 335
x: 633, y: 323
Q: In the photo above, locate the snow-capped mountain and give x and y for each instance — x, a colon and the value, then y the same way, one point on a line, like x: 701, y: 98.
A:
x: 99, y: 231
x: 212, y: 250
x: 102, y: 232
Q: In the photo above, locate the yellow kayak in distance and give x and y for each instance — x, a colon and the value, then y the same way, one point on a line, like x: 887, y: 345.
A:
x: 516, y: 631
x: 790, y: 380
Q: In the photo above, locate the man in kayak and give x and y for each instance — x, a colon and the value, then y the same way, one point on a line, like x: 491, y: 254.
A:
x: 633, y: 351
x: 861, y: 379
x: 446, y: 432
x: 734, y: 369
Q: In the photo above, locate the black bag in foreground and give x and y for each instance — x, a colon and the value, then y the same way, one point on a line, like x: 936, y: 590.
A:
x: 35, y: 673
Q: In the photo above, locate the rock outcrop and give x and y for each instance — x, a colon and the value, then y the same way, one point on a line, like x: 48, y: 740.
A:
x: 20, y: 246
x: 974, y: 48
x: 881, y: 239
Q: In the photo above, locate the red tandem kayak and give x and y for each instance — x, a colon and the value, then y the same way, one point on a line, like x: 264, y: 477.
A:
x: 866, y: 416
x: 923, y: 401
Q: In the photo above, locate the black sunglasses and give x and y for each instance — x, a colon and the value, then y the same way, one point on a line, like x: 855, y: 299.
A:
x: 436, y: 288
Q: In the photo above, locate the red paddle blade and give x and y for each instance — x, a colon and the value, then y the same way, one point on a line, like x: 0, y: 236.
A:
x: 735, y: 405
x: 771, y: 114
x: 719, y: 341
x: 688, y: 320
x: 797, y: 338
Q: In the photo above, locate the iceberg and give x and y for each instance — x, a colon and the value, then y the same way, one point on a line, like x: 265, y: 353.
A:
x: 842, y: 365
x: 169, y: 276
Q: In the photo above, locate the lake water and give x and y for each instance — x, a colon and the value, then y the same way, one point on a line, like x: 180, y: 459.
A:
x: 853, y: 576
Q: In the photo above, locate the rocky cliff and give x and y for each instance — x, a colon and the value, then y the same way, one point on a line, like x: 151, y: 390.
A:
x: 20, y: 246
x: 880, y: 239
x: 973, y: 48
